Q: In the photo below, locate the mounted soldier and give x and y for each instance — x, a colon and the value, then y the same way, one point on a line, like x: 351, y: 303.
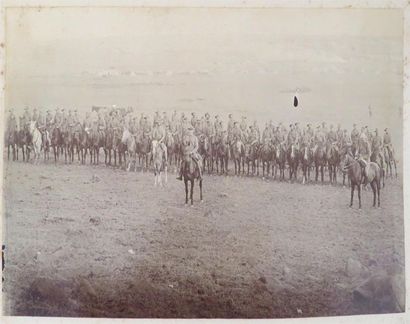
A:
x: 190, y: 150
x: 158, y: 135
x: 243, y: 125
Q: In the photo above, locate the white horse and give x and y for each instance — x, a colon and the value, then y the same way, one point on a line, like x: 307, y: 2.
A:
x: 36, y: 140
x: 159, y: 163
x: 129, y: 140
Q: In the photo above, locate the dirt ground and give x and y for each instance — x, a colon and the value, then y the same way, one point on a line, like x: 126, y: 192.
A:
x: 101, y: 242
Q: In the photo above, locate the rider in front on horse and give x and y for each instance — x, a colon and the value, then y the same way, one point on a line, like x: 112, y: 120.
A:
x: 190, y: 149
x: 159, y: 134
x: 387, y: 142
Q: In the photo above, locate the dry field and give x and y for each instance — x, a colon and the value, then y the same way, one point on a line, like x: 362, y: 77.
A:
x: 101, y: 242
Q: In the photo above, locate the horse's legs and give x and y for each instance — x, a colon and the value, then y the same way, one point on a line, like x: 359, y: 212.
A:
x: 359, y: 195
x: 378, y: 193
x: 186, y: 191
x: 200, y: 190
x: 192, y: 192
x: 351, y: 194
x: 373, y: 185
x: 322, y: 172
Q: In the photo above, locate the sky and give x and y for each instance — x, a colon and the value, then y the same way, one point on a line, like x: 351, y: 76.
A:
x: 241, y: 61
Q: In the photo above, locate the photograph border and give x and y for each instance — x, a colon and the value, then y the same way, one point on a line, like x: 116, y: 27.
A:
x: 336, y: 4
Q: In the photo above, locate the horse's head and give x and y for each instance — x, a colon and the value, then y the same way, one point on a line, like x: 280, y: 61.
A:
x: 32, y: 126
x: 125, y: 136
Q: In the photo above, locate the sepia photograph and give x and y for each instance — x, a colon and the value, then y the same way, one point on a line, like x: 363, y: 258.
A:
x: 202, y: 162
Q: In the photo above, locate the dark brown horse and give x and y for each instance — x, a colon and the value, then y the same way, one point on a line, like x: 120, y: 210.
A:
x: 24, y: 142
x: 56, y: 142
x: 205, y: 150
x: 222, y: 156
x: 189, y: 174
x: 108, y: 145
x: 266, y: 157
x: 333, y: 161
x: 360, y: 173
x: 11, y: 142
x: 281, y: 160
x: 320, y: 161
x: 252, y: 157
x: 143, y: 150
x: 97, y: 141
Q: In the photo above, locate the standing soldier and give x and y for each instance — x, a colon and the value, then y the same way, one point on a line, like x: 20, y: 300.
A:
x: 49, y: 120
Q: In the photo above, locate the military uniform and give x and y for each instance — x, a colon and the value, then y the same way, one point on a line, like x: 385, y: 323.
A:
x: 190, y: 147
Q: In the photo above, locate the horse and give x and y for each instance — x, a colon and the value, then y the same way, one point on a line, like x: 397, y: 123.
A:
x: 293, y: 161
x: 358, y: 171
x: 24, y: 142
x: 36, y: 140
x: 378, y: 158
x: 108, y: 145
x: 143, y: 149
x: 83, y: 144
x: 129, y: 140
x: 76, y: 142
x: 118, y: 147
x: 320, y: 161
x: 251, y: 157
x: 281, y: 160
x: 238, y: 155
x: 97, y: 140
x: 205, y: 150
x: 45, y: 139
x: 333, y: 160
x: 191, y: 172
x: 56, y: 142
x: 266, y: 157
x: 158, y: 156
x: 66, y: 136
x: 390, y: 161
x: 222, y: 156
x: 306, y: 157
x: 11, y: 141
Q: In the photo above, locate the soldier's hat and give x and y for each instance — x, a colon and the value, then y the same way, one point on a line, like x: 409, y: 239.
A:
x: 206, y: 115
x: 145, y: 117
x: 62, y: 109
x: 308, y: 125
x: 229, y: 115
x: 290, y: 125
x: 216, y: 116
x: 365, y: 126
x: 75, y: 110
x: 235, y: 122
x: 385, y: 129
